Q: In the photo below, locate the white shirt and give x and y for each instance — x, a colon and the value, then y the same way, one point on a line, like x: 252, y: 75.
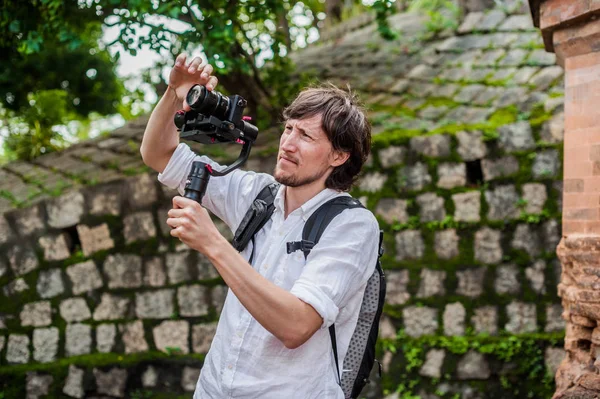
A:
x: 247, y: 361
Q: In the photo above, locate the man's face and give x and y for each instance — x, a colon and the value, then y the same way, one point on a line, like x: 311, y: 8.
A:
x: 305, y: 153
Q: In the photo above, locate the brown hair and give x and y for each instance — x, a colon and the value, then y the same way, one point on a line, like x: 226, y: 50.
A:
x: 345, y: 124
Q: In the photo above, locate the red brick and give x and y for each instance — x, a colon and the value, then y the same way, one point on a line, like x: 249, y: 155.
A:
x: 573, y: 186
x: 571, y: 227
x: 580, y: 200
x: 585, y: 214
x: 591, y: 185
x: 578, y: 169
x: 592, y: 228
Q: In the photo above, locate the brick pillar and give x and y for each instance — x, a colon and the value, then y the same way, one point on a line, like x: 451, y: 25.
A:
x: 571, y: 29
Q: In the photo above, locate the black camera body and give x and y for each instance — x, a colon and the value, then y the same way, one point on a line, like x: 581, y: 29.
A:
x: 214, y: 118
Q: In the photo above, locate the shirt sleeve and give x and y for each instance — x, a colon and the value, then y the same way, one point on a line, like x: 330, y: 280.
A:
x: 228, y: 197
x: 340, y: 264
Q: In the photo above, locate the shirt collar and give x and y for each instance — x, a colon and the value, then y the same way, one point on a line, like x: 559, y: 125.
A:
x: 309, y: 206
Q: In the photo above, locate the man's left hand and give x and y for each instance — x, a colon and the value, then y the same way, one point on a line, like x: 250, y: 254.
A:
x: 191, y: 223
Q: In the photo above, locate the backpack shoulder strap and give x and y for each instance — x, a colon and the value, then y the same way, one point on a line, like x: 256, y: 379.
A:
x: 256, y: 216
x: 318, y: 222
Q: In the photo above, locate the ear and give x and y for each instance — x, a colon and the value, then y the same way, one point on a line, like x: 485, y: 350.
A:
x: 339, y: 158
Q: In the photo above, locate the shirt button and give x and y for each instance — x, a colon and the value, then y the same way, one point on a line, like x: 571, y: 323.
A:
x: 230, y: 366
x: 239, y: 334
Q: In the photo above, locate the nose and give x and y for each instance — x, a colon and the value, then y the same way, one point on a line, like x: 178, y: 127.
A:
x: 288, y: 142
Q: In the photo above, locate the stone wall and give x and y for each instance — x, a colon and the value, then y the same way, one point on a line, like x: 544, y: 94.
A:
x: 98, y: 299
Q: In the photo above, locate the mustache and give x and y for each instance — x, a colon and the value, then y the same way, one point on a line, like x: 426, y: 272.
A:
x: 289, y: 158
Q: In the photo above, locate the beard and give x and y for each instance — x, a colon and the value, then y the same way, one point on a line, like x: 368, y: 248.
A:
x: 292, y: 180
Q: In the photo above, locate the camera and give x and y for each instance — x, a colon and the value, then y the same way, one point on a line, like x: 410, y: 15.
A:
x: 214, y: 118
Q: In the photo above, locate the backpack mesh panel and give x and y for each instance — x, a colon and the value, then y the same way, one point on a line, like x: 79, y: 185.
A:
x: 358, y: 342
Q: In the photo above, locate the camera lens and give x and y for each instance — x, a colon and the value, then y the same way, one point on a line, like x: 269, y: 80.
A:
x: 208, y: 102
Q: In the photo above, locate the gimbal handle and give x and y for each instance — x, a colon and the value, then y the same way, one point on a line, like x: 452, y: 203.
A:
x: 197, y: 181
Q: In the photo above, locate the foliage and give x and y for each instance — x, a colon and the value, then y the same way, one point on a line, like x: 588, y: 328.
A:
x: 383, y: 9
x: 443, y: 14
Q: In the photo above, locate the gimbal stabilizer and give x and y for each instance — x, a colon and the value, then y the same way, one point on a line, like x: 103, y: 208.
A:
x: 214, y: 118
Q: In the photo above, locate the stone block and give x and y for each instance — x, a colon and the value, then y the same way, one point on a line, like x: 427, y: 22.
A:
x: 414, y: 178
x: 218, y: 295
x: 94, y: 239
x: 133, y: 338
x: 432, y: 283
x: 470, y: 22
x: 15, y: 287
x: 446, y: 244
x: 535, y: 196
x: 451, y: 175
x: 467, y: 206
x: 473, y: 366
x: 524, y: 74
x: 501, y: 167
x: 36, y: 314
x: 454, y: 319
x: 470, y: 282
x: 554, y: 320
x: 516, y: 137
x: 142, y: 191
x: 392, y: 210
x: 74, y: 310
x: 178, y: 267
x: 45, y: 344
x: 431, y: 207
x: 522, y: 318
x: 372, y: 182
x: 397, y: 287
x: 507, y: 280
x: 17, y: 349
x: 6, y: 232
x: 84, y: 277
x: 433, y: 113
x: 491, y: 20
x: 150, y: 377
x: 154, y: 272
x: 78, y: 339
x: 553, y: 358
x: 138, y: 226
x: 515, y: 58
x: 123, y: 271
x: 74, y: 383
x: 487, y: 246
x: 3, y: 267
x: 434, y: 146
x: 420, y: 320
x: 29, y: 221
x: 154, y: 304
x: 55, y: 247
x: 434, y: 360
x: 551, y: 235
x: 105, y: 337
x: 536, y: 276
x: 547, y: 77
x: 50, y: 283
x: 502, y: 202
x: 172, y: 336
x: 189, y: 377
x: 2, y: 342
x: 391, y: 156
x: 206, y: 270
x: 112, y: 382
x: 106, y: 201
x: 468, y: 93
x: 546, y: 164
x: 66, y: 210
x: 111, y: 307
x: 527, y: 238
x: 192, y: 300
x: 485, y: 320
x: 202, y: 336
x: 37, y: 385
x: 22, y: 259
x: 553, y: 131
x: 409, y: 245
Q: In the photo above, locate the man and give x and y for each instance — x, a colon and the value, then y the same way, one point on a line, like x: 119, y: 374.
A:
x: 272, y: 340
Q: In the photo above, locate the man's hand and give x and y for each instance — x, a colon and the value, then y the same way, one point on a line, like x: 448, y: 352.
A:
x: 191, y: 223
x: 183, y: 76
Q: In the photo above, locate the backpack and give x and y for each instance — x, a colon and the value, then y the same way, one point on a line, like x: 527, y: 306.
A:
x: 361, y: 351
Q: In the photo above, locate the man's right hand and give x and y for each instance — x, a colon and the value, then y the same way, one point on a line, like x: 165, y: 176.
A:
x: 183, y: 76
